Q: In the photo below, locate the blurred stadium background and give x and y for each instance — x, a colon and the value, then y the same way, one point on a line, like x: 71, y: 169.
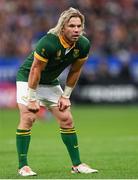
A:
x: 110, y: 76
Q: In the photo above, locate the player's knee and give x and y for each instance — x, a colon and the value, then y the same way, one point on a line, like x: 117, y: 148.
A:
x: 31, y: 118
x: 66, y: 116
x: 66, y: 121
x: 68, y: 124
x: 28, y: 119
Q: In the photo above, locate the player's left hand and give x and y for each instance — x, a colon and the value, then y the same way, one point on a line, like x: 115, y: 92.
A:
x: 63, y: 103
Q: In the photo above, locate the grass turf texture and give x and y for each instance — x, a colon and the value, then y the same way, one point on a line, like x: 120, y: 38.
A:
x: 108, y: 139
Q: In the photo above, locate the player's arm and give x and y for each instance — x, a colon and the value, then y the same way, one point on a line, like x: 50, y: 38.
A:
x: 35, y: 73
x: 74, y: 72
x: 37, y: 67
x: 72, y: 78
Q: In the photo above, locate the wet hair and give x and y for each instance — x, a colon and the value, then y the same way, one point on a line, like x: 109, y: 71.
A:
x: 64, y: 18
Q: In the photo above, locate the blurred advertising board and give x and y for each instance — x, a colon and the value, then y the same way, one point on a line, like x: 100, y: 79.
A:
x: 8, y: 70
x: 7, y: 95
x: 111, y: 93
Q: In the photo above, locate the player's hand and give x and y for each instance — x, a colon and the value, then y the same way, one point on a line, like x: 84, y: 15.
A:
x: 63, y: 103
x: 33, y: 106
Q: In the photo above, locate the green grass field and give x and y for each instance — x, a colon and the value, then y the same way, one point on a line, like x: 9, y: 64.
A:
x: 108, y: 139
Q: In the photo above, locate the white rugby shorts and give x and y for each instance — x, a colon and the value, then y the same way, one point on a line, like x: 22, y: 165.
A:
x: 48, y: 95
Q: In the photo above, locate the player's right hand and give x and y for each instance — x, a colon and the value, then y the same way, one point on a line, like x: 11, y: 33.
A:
x: 63, y: 103
x: 33, y: 106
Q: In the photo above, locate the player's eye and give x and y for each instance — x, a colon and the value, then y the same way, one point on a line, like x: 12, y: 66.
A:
x: 79, y: 26
x: 72, y: 25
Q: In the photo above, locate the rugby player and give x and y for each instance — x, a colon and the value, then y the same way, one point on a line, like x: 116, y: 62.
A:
x: 37, y: 84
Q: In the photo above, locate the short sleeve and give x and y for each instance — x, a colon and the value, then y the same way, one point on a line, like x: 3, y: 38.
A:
x: 84, y: 48
x: 42, y: 49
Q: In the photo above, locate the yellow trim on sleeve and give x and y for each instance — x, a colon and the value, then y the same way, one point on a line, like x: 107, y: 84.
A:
x: 83, y: 59
x: 40, y: 57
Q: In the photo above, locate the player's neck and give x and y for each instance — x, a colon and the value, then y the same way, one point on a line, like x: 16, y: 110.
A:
x: 67, y: 41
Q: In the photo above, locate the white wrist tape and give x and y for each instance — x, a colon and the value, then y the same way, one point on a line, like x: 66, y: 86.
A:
x: 32, y: 94
x: 67, y: 92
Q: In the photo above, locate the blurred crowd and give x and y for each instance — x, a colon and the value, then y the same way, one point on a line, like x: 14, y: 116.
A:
x: 111, y: 26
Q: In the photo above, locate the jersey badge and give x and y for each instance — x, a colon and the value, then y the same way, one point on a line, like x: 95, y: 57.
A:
x: 76, y: 53
x: 43, y: 51
x: 58, y: 55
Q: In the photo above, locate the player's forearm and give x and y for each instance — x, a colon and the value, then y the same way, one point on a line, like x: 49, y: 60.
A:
x: 35, y: 73
x: 34, y: 78
x: 75, y: 72
x: 70, y: 83
x: 72, y: 78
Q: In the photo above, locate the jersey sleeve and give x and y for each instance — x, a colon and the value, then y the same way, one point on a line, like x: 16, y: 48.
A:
x: 84, y: 49
x: 42, y: 49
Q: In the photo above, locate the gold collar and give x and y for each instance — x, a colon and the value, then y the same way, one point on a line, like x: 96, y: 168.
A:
x: 64, y: 43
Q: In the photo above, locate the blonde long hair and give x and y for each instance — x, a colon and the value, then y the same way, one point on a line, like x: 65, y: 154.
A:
x: 65, y: 17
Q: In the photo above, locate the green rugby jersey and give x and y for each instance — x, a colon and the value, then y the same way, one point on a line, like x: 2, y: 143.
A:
x: 59, y: 55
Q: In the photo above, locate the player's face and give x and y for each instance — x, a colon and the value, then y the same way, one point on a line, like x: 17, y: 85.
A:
x: 72, y: 30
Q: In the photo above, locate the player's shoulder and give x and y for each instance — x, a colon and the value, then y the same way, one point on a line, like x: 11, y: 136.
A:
x: 83, y: 40
x: 49, y: 38
x: 83, y: 43
x: 47, y: 42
